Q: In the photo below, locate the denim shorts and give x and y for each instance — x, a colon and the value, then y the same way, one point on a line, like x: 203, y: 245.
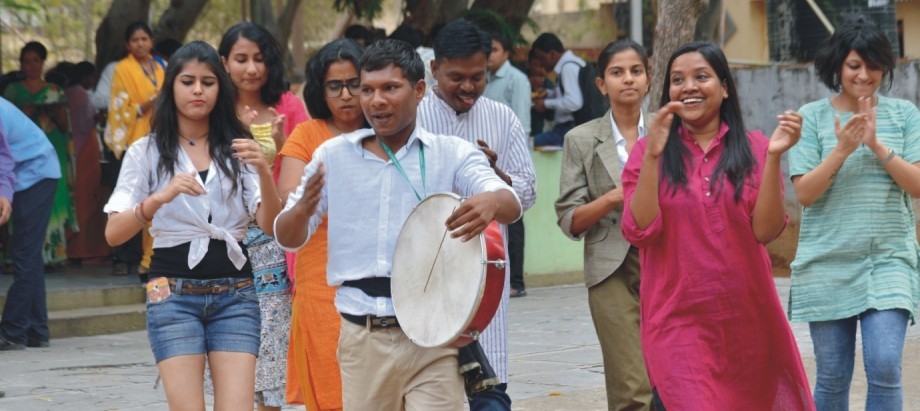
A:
x: 184, y: 324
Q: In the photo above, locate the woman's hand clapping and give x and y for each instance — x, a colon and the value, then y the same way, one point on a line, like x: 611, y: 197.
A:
x: 787, y: 133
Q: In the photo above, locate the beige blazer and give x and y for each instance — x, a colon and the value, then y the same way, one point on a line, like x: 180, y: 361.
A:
x: 591, y: 168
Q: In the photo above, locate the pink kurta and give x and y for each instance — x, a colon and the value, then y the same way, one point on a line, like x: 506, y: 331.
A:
x: 714, y: 334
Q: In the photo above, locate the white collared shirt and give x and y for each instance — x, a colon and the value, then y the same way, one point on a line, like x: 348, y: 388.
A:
x: 185, y: 218
x: 494, y: 123
x: 620, y: 141
x: 367, y: 201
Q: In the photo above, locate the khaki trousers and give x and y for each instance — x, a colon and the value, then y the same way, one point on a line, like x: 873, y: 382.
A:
x: 383, y: 370
x: 614, y: 306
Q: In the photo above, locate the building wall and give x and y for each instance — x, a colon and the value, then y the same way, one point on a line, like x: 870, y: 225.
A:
x: 586, y: 29
x: 749, y: 41
x: 543, y: 7
x: 909, y: 12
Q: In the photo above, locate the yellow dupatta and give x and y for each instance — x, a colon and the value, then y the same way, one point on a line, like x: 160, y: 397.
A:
x: 131, y: 87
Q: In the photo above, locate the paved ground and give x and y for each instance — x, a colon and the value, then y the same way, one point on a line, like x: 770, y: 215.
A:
x: 555, y: 364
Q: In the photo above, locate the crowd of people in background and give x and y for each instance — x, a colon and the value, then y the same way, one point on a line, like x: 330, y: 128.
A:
x: 275, y: 217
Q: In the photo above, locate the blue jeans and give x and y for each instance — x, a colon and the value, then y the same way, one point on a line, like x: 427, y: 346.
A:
x: 186, y: 324
x: 553, y: 137
x: 835, y: 350
x: 25, y: 314
x: 493, y: 399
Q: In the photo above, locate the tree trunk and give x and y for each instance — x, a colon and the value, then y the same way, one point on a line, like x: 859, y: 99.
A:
x: 514, y: 11
x: 286, y: 21
x: 676, y: 26
x: 110, y: 36
x: 708, y: 26
x: 178, y: 19
x: 298, y: 50
x: 425, y: 14
x: 263, y: 13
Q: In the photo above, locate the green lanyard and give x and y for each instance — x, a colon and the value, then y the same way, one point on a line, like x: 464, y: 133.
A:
x: 421, y: 161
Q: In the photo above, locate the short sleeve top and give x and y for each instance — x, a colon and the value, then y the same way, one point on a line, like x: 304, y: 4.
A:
x: 857, y: 243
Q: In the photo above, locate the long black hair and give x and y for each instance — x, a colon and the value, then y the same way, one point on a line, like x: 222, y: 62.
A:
x: 275, y: 85
x: 737, y: 159
x: 224, y: 125
x: 343, y: 50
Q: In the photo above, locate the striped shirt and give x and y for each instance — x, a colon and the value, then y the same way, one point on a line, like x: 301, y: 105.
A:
x: 857, y: 244
x: 497, y: 125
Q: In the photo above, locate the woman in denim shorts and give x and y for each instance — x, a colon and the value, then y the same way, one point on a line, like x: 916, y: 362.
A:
x: 199, y: 177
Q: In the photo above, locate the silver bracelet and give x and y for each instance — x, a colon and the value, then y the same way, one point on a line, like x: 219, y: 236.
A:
x: 891, y: 156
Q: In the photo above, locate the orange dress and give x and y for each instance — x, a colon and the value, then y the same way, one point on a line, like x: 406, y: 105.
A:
x: 313, y: 377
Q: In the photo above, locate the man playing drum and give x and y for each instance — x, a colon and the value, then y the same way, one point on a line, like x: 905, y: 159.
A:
x: 368, y: 182
x: 456, y: 106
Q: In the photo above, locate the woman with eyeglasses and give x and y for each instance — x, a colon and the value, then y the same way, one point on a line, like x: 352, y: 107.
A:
x: 313, y: 371
x: 252, y: 57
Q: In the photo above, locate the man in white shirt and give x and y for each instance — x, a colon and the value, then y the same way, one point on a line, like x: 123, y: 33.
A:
x: 456, y: 106
x: 566, y: 98
x: 368, y: 182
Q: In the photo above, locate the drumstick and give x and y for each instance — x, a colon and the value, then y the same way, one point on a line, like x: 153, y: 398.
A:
x: 441, y: 244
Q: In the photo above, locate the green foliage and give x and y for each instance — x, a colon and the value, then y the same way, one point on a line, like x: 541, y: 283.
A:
x: 367, y: 9
x: 66, y: 27
x: 491, y: 21
x: 17, y: 5
x: 216, y: 17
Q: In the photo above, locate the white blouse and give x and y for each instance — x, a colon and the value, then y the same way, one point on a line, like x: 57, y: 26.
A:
x: 185, y: 219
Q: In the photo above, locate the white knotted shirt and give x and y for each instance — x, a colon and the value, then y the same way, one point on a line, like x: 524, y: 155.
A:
x: 185, y: 218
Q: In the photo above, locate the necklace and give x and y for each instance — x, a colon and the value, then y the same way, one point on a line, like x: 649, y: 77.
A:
x: 192, y: 142
x: 152, y: 73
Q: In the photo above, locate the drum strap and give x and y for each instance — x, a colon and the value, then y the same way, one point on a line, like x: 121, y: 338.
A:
x: 372, y: 286
x: 421, y: 161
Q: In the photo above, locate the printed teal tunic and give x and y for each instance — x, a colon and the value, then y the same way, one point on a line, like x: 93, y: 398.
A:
x: 858, y: 243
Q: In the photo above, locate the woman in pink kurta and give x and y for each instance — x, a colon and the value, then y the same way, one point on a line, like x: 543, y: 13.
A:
x: 714, y: 335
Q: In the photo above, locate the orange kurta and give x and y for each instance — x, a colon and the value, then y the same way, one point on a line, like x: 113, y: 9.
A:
x: 312, y: 369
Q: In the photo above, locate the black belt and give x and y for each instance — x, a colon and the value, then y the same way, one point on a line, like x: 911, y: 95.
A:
x: 372, y: 321
x: 372, y: 286
x: 214, y: 288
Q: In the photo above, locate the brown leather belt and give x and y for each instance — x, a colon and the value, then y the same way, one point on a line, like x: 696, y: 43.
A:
x: 372, y: 322
x: 189, y: 288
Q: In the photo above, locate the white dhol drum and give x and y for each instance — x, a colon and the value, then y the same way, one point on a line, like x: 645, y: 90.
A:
x: 445, y: 292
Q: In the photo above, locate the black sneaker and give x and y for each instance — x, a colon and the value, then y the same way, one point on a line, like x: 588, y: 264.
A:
x: 7, y: 345
x: 518, y: 292
x: 37, y: 343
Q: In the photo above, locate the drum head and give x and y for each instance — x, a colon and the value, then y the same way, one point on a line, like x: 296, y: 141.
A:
x: 434, y: 315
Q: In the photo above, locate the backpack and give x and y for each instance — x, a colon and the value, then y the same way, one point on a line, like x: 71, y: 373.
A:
x: 594, y: 103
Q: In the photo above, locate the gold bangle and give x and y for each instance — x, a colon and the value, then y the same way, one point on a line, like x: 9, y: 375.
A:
x: 891, y: 156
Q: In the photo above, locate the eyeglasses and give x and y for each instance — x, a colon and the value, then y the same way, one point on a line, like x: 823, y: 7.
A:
x: 334, y: 88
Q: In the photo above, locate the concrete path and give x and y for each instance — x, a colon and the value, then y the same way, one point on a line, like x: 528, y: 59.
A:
x: 555, y: 364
